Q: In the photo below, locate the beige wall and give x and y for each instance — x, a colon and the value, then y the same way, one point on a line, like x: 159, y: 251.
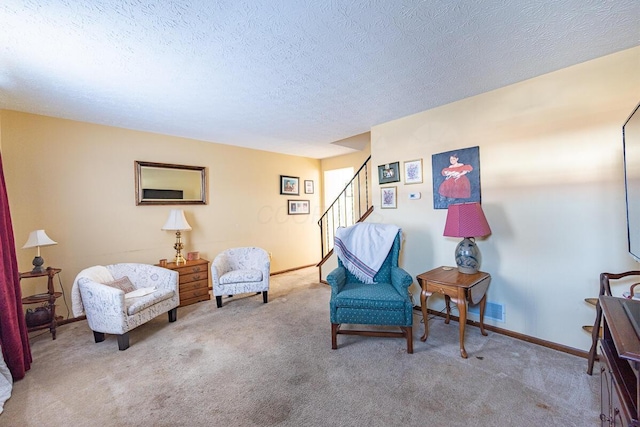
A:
x: 76, y: 181
x: 552, y: 190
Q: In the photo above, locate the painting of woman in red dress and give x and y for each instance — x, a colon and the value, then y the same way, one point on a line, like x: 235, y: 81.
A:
x: 456, y: 185
x: 456, y: 177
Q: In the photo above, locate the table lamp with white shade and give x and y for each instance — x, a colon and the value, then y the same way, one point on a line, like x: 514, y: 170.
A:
x: 36, y: 239
x: 178, y: 223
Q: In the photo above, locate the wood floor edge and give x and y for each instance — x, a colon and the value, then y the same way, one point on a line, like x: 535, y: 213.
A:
x: 71, y: 320
x: 517, y: 335
x: 274, y: 273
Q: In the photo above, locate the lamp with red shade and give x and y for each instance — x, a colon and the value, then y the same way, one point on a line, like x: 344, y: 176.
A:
x: 467, y: 220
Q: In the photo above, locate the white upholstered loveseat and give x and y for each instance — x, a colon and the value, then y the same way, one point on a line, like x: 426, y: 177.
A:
x: 107, y: 309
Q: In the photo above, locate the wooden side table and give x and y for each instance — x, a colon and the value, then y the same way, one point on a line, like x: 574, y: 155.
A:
x: 193, y: 280
x: 456, y: 287
x: 48, y: 298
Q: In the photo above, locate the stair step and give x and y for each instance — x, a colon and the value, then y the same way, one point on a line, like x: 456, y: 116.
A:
x: 592, y: 301
x: 589, y: 328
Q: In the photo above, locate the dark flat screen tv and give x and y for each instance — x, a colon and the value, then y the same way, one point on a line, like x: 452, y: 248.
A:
x: 151, y: 193
x: 631, y: 148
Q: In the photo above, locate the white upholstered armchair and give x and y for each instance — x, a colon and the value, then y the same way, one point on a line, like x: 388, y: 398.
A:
x: 240, y: 270
x: 115, y: 305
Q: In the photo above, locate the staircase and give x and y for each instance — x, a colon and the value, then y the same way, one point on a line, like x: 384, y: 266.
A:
x: 353, y: 205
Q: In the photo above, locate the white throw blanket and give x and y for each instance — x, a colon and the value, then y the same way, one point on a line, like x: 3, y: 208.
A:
x: 6, y: 382
x: 97, y: 273
x: 363, y: 247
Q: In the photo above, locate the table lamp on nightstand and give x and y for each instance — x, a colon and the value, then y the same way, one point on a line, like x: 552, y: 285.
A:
x: 36, y: 239
x: 178, y: 223
x: 467, y: 220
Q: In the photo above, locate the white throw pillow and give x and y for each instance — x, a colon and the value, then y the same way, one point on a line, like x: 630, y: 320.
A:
x: 123, y: 283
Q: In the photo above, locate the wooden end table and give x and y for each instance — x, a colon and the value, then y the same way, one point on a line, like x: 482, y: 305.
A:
x: 459, y: 288
x: 48, y: 298
x: 193, y: 280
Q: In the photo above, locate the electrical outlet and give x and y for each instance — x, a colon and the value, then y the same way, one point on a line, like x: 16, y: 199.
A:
x: 270, y: 255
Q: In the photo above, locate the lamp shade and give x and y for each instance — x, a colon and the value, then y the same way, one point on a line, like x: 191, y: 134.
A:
x: 38, y: 238
x: 176, y: 221
x: 466, y: 220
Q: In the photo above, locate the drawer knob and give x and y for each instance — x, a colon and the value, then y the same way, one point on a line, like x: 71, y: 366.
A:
x: 196, y: 277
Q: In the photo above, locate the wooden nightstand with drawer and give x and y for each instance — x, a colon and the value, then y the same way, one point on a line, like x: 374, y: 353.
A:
x: 193, y: 280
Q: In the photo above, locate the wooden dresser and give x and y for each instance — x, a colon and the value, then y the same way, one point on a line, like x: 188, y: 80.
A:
x: 194, y: 280
x: 619, y: 362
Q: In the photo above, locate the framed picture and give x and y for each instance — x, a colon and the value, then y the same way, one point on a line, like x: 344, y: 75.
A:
x: 389, y: 173
x: 298, y: 207
x: 308, y: 186
x: 388, y: 198
x: 456, y: 177
x: 289, y: 185
x: 413, y: 171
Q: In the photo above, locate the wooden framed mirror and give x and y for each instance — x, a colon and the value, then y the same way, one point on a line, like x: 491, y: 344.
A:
x: 169, y: 184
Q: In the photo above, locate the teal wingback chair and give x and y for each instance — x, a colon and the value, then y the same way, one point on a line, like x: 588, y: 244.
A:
x: 385, y: 302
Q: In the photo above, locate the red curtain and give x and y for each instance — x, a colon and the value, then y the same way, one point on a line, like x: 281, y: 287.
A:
x: 13, y: 328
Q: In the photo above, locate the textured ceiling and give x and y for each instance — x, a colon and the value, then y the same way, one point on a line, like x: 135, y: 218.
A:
x: 289, y: 76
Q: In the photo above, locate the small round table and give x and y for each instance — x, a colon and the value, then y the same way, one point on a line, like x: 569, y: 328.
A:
x: 459, y: 288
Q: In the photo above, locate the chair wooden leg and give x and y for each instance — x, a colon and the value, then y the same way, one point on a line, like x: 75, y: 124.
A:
x: 173, y: 314
x: 219, y: 301
x: 408, y: 330
x: 123, y: 341
x: 265, y: 297
x: 334, y: 335
x: 98, y: 336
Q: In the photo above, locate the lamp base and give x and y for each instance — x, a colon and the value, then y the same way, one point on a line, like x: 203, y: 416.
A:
x: 468, y: 256
x: 38, y: 263
x: 178, y: 247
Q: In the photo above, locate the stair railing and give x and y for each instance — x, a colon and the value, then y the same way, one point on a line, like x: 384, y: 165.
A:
x: 352, y: 205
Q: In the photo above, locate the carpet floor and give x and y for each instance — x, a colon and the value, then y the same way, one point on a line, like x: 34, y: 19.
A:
x: 255, y: 364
